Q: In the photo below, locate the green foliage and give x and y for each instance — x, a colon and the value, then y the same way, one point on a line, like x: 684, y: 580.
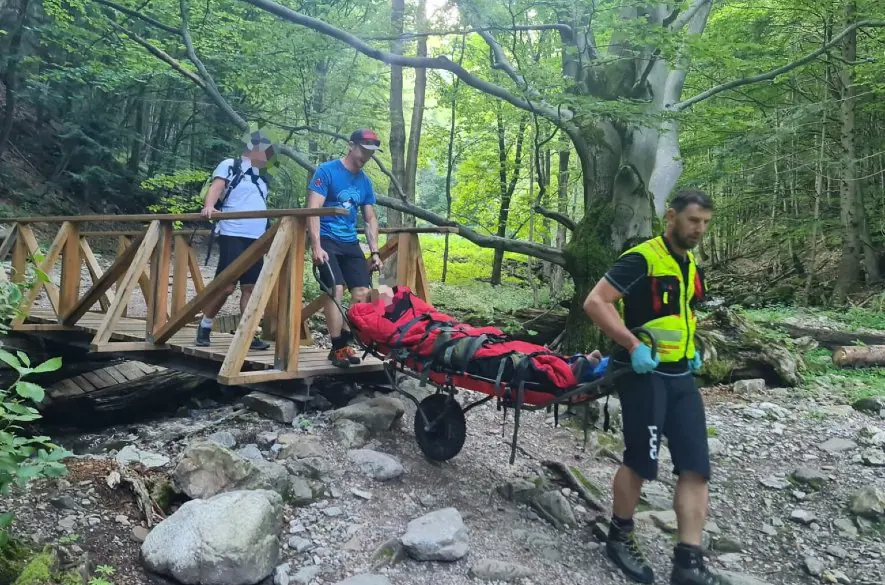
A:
x: 823, y: 376
x: 39, y: 570
x: 850, y: 319
x: 22, y: 458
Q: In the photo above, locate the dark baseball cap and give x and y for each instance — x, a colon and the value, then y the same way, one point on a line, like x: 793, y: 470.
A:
x: 366, y: 138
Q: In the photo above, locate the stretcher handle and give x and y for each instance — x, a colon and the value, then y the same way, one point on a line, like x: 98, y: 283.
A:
x: 316, y: 274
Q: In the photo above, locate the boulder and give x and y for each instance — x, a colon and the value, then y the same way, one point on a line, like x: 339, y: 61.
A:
x: 745, y: 387
x: 378, y: 466
x: 350, y: 434
x: 132, y: 454
x: 273, y: 407
x: 376, y: 414
x: 438, y: 536
x: 207, y: 469
x: 229, y: 539
x: 868, y: 502
x: 872, y: 405
x: 224, y: 438
x: 557, y: 506
x: 303, y: 447
x: 809, y: 476
x: 837, y: 445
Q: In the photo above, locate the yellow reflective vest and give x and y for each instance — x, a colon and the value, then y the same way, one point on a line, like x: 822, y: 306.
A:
x: 664, y: 302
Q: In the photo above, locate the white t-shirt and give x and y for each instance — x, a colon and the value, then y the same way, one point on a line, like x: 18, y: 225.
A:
x: 246, y: 196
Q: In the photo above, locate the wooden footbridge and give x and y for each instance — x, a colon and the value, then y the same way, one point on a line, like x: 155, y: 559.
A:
x: 161, y: 262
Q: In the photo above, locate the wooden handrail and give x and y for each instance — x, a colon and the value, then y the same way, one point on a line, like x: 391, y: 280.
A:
x: 204, y: 232
x: 136, y: 233
x: 149, y: 217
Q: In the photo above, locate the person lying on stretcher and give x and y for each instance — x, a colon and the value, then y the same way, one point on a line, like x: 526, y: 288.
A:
x: 585, y: 367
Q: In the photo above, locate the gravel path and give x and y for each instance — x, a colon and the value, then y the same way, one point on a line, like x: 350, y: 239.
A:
x: 752, y: 498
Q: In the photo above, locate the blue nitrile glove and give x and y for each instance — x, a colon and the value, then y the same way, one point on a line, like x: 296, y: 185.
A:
x: 696, y: 362
x: 642, y: 360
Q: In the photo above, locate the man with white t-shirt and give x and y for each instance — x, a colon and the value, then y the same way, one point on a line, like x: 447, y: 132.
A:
x: 240, y: 187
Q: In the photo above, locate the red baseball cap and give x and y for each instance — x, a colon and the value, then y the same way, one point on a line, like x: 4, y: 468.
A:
x: 366, y: 138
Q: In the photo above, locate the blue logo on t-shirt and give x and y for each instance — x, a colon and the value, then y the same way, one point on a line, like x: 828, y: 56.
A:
x: 345, y: 190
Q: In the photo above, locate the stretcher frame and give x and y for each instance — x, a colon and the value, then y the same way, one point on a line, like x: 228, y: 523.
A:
x: 440, y: 425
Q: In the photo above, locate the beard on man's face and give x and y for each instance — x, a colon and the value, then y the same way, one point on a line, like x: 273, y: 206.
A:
x: 685, y: 241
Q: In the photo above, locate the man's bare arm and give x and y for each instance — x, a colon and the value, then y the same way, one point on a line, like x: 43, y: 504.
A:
x: 314, y: 201
x: 371, y: 227
x: 212, y: 195
x: 600, y: 307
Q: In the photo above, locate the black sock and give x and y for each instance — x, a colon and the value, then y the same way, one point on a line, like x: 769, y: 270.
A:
x: 687, y: 556
x: 338, y: 342
x: 346, y: 337
x: 619, y: 526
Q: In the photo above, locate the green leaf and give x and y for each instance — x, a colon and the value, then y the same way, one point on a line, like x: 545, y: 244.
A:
x: 24, y: 358
x: 50, y: 365
x: 30, y: 390
x: 10, y: 360
x: 6, y: 519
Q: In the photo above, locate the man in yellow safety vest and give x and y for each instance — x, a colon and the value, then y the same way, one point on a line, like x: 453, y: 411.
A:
x: 657, y: 285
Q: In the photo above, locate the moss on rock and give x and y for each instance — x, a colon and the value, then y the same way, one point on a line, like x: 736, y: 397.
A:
x: 39, y: 570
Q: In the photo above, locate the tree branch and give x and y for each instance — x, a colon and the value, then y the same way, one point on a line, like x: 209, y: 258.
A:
x: 209, y: 83
x: 557, y: 115
x: 780, y: 70
x: 548, y: 253
x: 684, y: 18
x: 556, y: 216
x: 161, y: 55
x: 136, y: 14
x: 521, y: 27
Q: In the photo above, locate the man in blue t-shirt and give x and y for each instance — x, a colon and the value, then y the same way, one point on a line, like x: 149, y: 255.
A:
x: 342, y: 183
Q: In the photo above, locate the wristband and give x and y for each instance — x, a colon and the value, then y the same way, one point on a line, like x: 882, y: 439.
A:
x: 374, y: 254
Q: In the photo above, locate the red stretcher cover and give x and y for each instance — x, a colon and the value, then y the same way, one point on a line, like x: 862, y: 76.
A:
x: 419, y: 335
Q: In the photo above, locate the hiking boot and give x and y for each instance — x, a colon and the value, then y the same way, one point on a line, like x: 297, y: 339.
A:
x: 340, y: 357
x: 351, y: 355
x: 696, y: 573
x: 258, y: 343
x: 203, y: 336
x: 623, y: 550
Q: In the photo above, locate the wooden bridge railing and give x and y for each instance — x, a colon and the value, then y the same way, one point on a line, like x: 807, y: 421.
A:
x: 145, y: 259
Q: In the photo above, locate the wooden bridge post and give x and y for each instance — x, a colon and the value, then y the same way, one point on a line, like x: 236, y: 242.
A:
x: 158, y: 304
x: 289, y: 295
x: 270, y: 274
x: 69, y: 290
x: 19, y: 256
x: 179, y: 274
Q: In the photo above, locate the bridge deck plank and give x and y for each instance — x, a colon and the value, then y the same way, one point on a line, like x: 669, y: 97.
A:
x: 312, y: 361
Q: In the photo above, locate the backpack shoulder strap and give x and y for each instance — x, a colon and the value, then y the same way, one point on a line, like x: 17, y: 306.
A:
x: 235, y: 174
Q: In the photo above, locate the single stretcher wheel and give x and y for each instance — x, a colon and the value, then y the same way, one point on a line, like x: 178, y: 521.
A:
x: 448, y: 429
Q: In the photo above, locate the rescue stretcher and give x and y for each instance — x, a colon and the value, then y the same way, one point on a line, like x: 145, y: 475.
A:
x: 411, y: 338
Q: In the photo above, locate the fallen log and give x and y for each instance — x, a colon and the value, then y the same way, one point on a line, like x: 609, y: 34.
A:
x: 829, y: 338
x: 862, y: 356
x: 734, y: 348
x: 159, y: 391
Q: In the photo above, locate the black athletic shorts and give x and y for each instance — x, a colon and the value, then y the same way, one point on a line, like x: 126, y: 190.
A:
x: 229, y: 248
x: 656, y: 404
x: 347, y: 262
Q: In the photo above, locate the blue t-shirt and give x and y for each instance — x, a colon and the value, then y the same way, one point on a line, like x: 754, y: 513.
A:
x: 343, y: 189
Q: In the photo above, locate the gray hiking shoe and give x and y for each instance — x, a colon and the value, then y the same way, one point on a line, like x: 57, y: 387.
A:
x: 697, y: 574
x: 623, y: 549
